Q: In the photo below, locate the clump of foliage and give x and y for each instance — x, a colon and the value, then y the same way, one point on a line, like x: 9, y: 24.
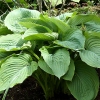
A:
x: 61, y: 52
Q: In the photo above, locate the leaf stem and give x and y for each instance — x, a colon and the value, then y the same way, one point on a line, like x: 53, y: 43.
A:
x: 36, y: 56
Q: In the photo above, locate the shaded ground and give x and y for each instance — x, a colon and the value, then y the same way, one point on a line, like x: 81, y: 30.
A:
x: 30, y: 90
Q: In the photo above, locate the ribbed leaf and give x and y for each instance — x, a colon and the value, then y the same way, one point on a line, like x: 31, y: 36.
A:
x: 42, y: 64
x: 15, y: 70
x: 29, y: 22
x: 85, y: 83
x: 93, y: 44
x: 12, y: 19
x: 58, y: 62
x: 44, y: 21
x: 88, y: 34
x: 49, y: 22
x: 90, y: 58
x: 91, y: 26
x: 39, y: 33
x: 69, y: 75
x: 73, y: 39
x: 81, y: 19
x: 62, y: 26
x: 13, y: 42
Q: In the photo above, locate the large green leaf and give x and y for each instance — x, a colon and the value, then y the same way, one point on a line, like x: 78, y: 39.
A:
x: 44, y: 21
x: 48, y: 20
x: 82, y: 19
x: 88, y: 34
x: 73, y: 39
x: 91, y: 26
x: 93, y: 44
x: 58, y: 62
x: 91, y: 56
x: 39, y: 33
x: 57, y: 25
x: 15, y: 70
x: 13, y: 18
x: 69, y: 75
x: 62, y: 26
x: 13, y: 42
x: 42, y: 64
x: 85, y: 83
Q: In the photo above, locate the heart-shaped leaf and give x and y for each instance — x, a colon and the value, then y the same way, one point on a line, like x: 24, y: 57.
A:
x: 73, y: 39
x: 58, y: 62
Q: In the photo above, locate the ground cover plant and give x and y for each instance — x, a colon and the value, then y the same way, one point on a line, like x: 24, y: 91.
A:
x: 61, y: 53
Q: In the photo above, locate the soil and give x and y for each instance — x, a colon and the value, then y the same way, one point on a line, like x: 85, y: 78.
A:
x: 30, y: 90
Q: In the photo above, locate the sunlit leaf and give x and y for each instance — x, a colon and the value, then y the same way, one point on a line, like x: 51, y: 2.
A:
x: 13, y: 42
x: 13, y: 18
x: 15, y: 70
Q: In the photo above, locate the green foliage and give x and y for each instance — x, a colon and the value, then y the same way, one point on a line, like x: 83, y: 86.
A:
x: 84, y: 84
x: 60, y: 52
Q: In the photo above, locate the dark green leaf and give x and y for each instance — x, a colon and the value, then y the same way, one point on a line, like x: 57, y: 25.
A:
x: 85, y: 83
x: 42, y: 64
x: 69, y: 75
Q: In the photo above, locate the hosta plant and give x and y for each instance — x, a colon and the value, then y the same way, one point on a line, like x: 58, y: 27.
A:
x: 61, y: 52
